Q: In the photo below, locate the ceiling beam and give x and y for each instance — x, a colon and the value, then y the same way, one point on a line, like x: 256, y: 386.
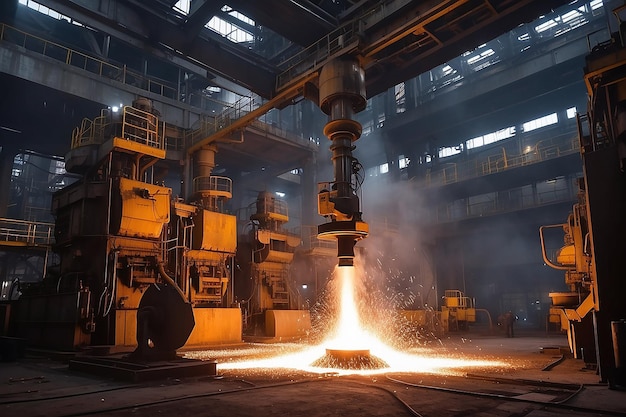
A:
x: 299, y: 21
x: 200, y: 15
x: 130, y: 21
x: 387, y: 64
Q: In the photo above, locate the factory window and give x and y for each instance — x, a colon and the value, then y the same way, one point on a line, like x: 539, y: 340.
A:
x: 47, y: 11
x: 183, y: 6
x: 540, y: 122
x: 18, y: 165
x: 450, y: 150
x: 475, y: 143
x: 384, y: 168
x: 367, y: 128
x: 545, y: 26
x: 447, y: 70
x: 568, y: 21
x: 571, y: 112
x: 56, y: 178
x: 491, y: 137
x: 596, y: 4
x: 381, y: 121
x: 229, y: 30
x: 400, y: 98
x: 403, y: 162
x: 482, y: 55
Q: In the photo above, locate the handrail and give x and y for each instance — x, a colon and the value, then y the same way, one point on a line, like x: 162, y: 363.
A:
x: 102, y: 68
x: 213, y: 183
x: 29, y: 232
x: 141, y: 126
x: 485, y: 163
x: 544, y: 253
x: 133, y: 124
x: 211, y: 125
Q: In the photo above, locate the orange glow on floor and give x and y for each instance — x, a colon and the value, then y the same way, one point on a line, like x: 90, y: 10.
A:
x: 350, y: 333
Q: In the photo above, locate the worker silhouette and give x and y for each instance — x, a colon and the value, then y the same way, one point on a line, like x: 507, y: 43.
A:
x: 509, y: 320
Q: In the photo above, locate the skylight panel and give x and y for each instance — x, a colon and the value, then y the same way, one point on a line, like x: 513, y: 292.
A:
x: 182, y: 6
x: 229, y: 30
x: 47, y: 11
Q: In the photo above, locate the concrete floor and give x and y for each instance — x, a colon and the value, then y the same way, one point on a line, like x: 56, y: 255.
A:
x: 536, y: 381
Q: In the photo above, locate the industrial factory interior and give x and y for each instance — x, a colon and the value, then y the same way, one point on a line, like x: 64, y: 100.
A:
x: 313, y: 208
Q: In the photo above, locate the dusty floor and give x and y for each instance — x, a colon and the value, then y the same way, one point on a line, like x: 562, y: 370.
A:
x: 535, y: 380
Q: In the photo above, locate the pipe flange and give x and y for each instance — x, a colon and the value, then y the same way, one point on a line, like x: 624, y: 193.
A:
x: 347, y: 126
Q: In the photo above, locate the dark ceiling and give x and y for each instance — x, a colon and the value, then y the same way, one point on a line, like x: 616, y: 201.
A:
x: 394, y: 40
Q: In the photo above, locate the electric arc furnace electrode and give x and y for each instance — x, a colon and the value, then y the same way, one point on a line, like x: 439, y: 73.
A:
x: 342, y: 94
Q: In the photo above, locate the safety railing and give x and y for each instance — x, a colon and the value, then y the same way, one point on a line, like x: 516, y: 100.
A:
x: 317, y: 54
x: 271, y: 205
x: 209, y: 125
x: 227, y: 112
x: 31, y: 233
x: 142, y: 127
x: 491, y: 203
x: 456, y: 299
x: 542, y: 151
x: 132, y: 124
x: 273, y: 213
x: 86, y: 62
x: 90, y: 132
x: 499, y: 160
x: 213, y: 183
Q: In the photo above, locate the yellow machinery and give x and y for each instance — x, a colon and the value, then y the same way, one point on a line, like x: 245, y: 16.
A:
x: 274, y: 301
x: 456, y: 313
x: 593, y: 310
x: 570, y: 308
x: 457, y: 310
x: 135, y: 264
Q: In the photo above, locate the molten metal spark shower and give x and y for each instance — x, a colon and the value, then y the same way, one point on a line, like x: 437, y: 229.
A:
x: 349, y: 334
x: 349, y: 346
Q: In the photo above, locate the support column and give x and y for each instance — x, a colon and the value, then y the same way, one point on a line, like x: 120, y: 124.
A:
x: 7, y: 155
x: 308, y: 187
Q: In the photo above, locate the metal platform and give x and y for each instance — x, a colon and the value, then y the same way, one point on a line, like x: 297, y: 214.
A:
x: 126, y: 370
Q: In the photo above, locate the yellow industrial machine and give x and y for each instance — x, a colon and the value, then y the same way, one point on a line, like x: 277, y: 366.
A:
x: 138, y: 269
x: 273, y: 305
x: 570, y: 309
x: 457, y: 311
x: 593, y: 311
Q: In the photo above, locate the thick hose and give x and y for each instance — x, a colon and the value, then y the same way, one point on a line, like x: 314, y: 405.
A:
x: 170, y: 281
